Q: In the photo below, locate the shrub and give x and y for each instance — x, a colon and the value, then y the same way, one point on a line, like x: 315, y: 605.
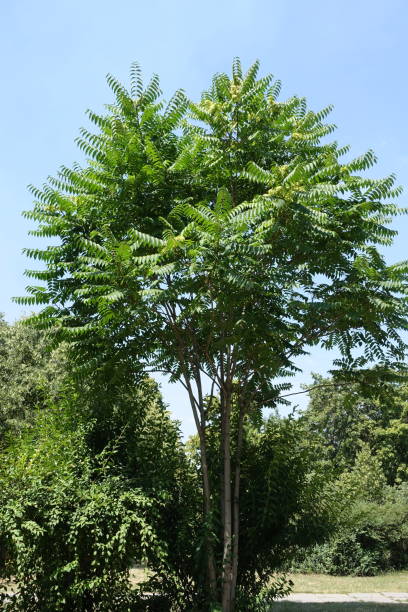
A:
x: 343, y: 555
x: 105, y: 482
x: 372, y: 540
x: 70, y: 526
x: 285, y: 504
x: 149, y: 453
x: 262, y: 600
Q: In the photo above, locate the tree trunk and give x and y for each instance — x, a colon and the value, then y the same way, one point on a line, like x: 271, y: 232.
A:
x: 227, y: 602
x: 237, y: 476
x: 212, y: 578
x: 211, y: 568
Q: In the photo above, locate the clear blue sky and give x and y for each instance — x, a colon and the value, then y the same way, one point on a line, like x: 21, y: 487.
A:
x: 55, y: 55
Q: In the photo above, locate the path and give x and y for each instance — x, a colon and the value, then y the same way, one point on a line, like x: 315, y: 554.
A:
x: 383, y: 597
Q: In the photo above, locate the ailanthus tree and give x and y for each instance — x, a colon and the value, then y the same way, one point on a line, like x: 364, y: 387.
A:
x: 216, y: 241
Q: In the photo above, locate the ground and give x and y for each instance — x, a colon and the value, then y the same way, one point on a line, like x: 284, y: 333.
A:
x: 320, y: 583
x: 309, y: 586
x: 306, y: 586
x: 286, y: 606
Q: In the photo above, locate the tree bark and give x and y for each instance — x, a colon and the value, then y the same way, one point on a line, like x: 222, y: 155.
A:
x: 227, y: 602
x: 211, y: 568
x: 212, y: 577
x: 237, y: 476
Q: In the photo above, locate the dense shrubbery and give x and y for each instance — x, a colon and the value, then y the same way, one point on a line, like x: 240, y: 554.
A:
x: 362, y: 439
x: 99, y: 480
x: 72, y: 524
x: 91, y: 484
x: 375, y: 540
x: 285, y: 503
x: 132, y: 418
x: 74, y: 519
x: 283, y: 500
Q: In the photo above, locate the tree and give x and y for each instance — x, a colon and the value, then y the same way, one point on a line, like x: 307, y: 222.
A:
x: 359, y: 429
x: 216, y: 241
x: 347, y: 416
x: 30, y: 376
x: 370, y: 534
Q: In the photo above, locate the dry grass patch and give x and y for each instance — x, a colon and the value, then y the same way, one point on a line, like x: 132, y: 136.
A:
x: 321, y: 583
x: 287, y: 606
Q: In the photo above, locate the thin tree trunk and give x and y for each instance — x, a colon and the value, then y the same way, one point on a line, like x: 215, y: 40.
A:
x: 212, y: 575
x: 227, y: 505
x: 208, y: 517
x: 206, y: 488
x: 237, y: 476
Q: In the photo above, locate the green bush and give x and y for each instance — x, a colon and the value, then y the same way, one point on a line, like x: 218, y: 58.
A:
x: 285, y: 504
x: 103, y: 481
x: 262, y: 600
x: 149, y: 453
x: 374, y: 539
x: 70, y: 526
x: 343, y: 555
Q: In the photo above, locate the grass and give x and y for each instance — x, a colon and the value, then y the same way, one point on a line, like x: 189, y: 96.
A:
x: 320, y: 583
x: 286, y: 606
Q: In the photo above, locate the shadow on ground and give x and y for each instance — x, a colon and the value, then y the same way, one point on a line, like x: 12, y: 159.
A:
x: 288, y: 606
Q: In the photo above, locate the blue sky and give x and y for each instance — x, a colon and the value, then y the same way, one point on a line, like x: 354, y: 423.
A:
x: 55, y: 55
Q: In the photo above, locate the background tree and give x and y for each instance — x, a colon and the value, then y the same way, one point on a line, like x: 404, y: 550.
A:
x: 217, y: 248
x: 369, y: 535
x: 345, y: 416
x: 358, y: 429
x: 31, y: 376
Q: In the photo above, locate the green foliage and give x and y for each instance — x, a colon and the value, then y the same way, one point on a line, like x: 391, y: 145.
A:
x: 133, y: 419
x: 346, y: 415
x: 70, y: 526
x: 264, y: 598
x: 373, y: 540
x: 30, y: 376
x: 103, y: 484
x: 365, y: 481
x: 391, y: 444
x: 286, y: 501
x: 345, y: 555
x: 283, y: 500
x: 371, y: 535
x: 287, y: 248
x: 361, y: 430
